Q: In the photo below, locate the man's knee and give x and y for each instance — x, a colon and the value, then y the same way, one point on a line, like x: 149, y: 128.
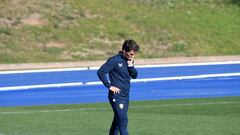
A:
x: 123, y: 120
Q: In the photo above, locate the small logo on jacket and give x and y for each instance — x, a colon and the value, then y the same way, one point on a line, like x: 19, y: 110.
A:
x: 121, y: 106
x: 120, y: 64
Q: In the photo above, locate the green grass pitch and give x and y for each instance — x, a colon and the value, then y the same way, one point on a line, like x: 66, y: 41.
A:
x: 209, y: 116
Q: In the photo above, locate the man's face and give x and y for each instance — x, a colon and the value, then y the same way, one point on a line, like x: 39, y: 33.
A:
x: 129, y: 55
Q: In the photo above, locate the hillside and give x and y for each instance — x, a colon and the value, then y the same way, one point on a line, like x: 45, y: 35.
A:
x: 76, y: 30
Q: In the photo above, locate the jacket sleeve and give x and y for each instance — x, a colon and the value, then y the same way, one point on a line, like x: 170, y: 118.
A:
x: 104, y: 70
x: 133, y: 72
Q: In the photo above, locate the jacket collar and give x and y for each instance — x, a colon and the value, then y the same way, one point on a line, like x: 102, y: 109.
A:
x: 122, y: 56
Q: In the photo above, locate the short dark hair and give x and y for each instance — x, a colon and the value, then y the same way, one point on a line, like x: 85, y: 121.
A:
x: 130, y: 45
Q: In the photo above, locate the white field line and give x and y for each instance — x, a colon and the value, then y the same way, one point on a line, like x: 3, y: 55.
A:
x: 42, y: 70
x: 190, y: 64
x: 140, y: 66
x: 26, y: 87
x: 187, y: 77
x: 131, y: 107
x: 174, y: 78
x: 180, y: 65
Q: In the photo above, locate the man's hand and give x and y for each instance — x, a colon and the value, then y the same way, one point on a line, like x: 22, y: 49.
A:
x: 130, y: 62
x: 115, y: 90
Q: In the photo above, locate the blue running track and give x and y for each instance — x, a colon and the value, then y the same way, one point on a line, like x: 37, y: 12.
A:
x: 75, y: 86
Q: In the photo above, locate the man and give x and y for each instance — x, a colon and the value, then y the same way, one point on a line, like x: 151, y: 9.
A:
x: 120, y: 69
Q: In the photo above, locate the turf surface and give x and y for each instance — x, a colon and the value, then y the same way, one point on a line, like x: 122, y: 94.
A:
x: 212, y: 116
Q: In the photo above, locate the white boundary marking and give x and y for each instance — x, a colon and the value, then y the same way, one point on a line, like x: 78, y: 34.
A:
x: 42, y: 70
x: 26, y: 87
x: 131, y: 107
x: 174, y: 78
x: 140, y: 66
x: 99, y: 83
x: 186, y: 77
x: 181, y: 64
x: 190, y: 64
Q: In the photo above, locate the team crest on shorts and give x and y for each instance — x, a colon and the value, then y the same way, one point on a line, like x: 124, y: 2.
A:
x: 121, y: 106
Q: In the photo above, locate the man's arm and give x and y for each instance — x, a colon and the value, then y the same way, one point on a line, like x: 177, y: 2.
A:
x: 131, y: 69
x: 133, y: 72
x: 102, y: 75
x: 104, y: 70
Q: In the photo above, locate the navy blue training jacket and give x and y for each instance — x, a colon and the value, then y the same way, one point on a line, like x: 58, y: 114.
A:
x: 119, y: 75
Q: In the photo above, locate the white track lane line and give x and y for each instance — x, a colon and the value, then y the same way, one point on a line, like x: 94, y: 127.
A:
x: 138, y: 66
x: 26, y: 87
